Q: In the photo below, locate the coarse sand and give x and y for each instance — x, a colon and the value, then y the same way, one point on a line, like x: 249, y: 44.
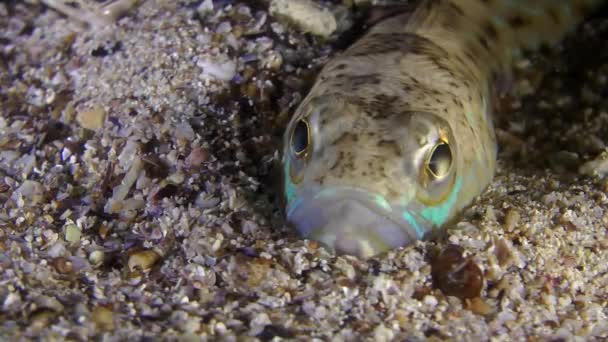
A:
x: 136, y: 164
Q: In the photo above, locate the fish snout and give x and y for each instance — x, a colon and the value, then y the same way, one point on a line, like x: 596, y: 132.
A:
x: 350, y: 222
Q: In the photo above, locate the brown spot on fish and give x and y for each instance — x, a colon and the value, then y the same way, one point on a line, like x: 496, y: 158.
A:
x: 338, y: 160
x: 361, y: 80
x: 392, y: 193
x: 390, y: 145
x: 456, y: 9
x: 490, y: 30
x: 384, y: 101
x: 403, y: 42
x: 554, y: 15
x: 517, y: 22
x: 453, y: 84
x: 484, y: 42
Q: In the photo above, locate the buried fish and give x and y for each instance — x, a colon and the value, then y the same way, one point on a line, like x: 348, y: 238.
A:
x: 396, y: 136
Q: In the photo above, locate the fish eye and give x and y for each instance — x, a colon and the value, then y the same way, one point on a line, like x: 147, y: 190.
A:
x: 439, y: 160
x: 300, y: 138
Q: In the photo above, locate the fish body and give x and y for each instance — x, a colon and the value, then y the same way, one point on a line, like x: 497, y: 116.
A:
x: 396, y: 137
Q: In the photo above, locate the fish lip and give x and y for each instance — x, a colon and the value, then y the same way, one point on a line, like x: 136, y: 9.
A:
x: 392, y: 229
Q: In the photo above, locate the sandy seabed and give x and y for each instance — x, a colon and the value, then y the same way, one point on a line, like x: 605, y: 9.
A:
x: 135, y: 170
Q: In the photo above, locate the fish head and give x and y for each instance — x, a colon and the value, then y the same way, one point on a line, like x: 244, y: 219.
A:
x: 363, y: 178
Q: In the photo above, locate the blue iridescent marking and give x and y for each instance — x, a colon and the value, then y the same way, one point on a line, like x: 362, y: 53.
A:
x: 439, y: 214
x: 290, y: 189
x: 412, y: 221
x: 382, y: 203
x: 292, y: 206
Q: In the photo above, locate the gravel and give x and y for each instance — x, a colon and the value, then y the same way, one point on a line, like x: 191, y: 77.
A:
x: 136, y: 169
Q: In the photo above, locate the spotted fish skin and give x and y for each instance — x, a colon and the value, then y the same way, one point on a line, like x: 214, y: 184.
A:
x: 396, y: 137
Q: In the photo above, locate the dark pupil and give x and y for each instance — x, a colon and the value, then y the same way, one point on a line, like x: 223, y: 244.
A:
x: 299, y: 141
x: 440, y: 160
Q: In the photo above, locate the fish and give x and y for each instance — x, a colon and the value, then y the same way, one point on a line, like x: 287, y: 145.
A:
x: 396, y: 137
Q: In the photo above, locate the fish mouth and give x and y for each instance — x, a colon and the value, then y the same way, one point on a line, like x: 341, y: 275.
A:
x: 354, y: 221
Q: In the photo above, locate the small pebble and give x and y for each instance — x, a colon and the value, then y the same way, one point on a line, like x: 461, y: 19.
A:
x: 456, y: 275
x: 29, y: 193
x: 72, y: 233
x: 197, y: 157
x: 103, y: 231
x: 511, y: 220
x: 92, y: 118
x: 41, y: 319
x: 62, y: 265
x: 143, y: 260
x: 597, y: 167
x: 478, y: 306
x: 503, y: 252
x: 96, y: 258
x: 306, y: 15
x: 273, y: 60
x: 103, y: 318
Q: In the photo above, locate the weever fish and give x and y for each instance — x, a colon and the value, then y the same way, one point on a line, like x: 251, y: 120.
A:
x: 396, y: 137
